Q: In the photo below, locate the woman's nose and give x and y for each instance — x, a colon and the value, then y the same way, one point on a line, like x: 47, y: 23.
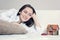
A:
x: 26, y: 16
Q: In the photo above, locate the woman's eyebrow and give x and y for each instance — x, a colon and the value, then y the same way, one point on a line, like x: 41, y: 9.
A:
x: 27, y: 11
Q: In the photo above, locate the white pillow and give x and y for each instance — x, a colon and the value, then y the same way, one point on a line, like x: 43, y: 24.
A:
x: 10, y: 28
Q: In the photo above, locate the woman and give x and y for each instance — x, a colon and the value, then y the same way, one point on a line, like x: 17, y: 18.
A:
x: 27, y: 15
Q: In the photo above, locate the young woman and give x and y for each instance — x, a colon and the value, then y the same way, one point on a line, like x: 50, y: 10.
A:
x: 27, y: 16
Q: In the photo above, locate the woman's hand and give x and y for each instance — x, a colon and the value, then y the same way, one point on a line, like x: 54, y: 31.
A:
x: 34, y: 16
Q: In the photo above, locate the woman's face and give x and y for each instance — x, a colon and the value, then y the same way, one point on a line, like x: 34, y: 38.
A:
x: 26, y: 14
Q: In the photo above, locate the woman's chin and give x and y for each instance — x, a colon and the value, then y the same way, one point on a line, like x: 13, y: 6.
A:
x: 24, y: 20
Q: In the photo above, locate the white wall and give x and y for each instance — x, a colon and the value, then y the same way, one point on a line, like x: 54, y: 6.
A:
x: 46, y: 17
x: 37, y: 4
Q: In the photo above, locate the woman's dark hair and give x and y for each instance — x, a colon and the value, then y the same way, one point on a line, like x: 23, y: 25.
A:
x: 30, y: 22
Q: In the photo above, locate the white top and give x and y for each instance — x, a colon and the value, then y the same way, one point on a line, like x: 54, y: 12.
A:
x: 11, y: 16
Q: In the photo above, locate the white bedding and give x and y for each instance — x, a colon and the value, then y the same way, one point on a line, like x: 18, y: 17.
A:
x: 28, y: 36
x: 10, y: 15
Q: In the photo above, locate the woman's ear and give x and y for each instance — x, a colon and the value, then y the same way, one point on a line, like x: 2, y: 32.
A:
x: 19, y: 12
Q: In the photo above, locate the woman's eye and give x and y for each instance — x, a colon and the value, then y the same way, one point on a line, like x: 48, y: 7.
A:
x: 29, y: 14
x: 25, y: 11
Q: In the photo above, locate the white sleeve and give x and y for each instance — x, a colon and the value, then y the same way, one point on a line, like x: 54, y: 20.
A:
x: 7, y: 16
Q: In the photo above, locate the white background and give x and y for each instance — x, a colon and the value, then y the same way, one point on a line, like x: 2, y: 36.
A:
x: 37, y: 4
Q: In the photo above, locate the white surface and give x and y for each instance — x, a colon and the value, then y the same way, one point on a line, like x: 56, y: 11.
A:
x: 30, y: 36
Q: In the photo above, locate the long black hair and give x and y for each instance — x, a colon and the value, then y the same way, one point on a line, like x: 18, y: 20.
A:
x: 30, y: 22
